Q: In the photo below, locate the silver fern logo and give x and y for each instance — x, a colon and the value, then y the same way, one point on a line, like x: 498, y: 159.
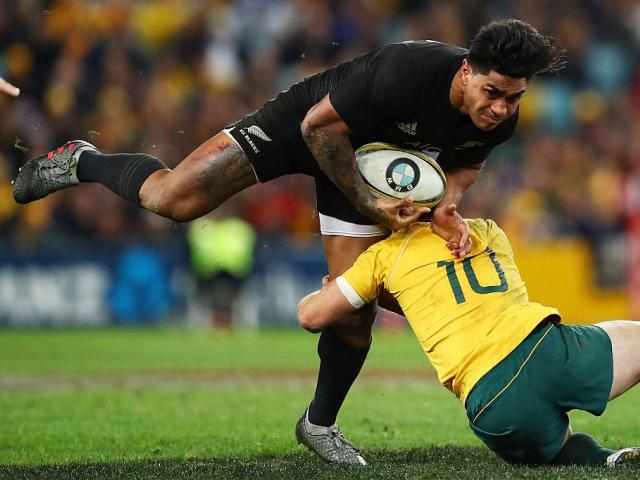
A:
x: 257, y: 131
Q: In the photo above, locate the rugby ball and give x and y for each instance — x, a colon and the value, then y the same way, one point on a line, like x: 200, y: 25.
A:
x: 396, y: 172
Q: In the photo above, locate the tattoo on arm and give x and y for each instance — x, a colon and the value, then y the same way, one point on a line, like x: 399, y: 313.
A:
x: 335, y: 157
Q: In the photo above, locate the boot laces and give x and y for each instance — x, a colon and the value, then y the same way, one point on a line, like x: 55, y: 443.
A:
x: 339, y: 440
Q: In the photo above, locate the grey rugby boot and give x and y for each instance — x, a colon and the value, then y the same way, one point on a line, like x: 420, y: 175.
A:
x: 49, y: 172
x: 327, y: 442
x: 626, y: 456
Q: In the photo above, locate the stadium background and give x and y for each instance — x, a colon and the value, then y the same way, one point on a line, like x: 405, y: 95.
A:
x: 163, y: 76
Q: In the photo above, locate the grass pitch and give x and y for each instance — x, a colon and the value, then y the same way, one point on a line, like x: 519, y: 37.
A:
x: 180, y: 404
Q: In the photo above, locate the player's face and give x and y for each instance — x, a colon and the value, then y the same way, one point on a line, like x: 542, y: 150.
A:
x: 492, y: 98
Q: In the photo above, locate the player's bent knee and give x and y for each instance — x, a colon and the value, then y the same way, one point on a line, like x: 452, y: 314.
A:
x: 171, y: 194
x: 356, y: 329
x: 183, y: 213
x: 366, y: 316
x: 179, y: 207
x: 360, y: 320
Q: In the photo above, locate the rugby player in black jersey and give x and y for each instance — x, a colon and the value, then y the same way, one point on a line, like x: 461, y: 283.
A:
x: 455, y: 103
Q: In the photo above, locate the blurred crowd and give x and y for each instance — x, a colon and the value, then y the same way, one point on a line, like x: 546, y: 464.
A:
x: 162, y: 76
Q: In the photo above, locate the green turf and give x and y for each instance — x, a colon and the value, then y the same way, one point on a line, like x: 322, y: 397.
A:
x: 173, y: 350
x: 72, y: 405
x: 109, y: 424
x: 447, y: 462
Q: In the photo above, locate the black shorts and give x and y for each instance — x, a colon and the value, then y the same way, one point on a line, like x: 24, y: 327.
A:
x: 270, y: 138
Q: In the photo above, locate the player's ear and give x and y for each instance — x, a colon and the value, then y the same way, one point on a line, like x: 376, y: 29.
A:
x: 466, y: 71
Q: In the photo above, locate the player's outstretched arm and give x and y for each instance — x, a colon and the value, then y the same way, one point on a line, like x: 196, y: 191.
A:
x: 327, y: 136
x: 323, y: 308
x: 8, y: 88
x: 447, y: 222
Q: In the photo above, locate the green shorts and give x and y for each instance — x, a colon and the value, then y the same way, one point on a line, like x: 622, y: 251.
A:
x: 519, y: 408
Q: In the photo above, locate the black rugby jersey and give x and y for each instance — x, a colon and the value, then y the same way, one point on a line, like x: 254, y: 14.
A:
x: 398, y: 93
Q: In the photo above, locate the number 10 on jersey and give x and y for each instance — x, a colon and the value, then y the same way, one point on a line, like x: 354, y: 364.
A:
x: 472, y: 278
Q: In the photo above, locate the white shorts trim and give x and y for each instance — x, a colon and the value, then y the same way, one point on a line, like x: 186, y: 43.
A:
x: 334, y: 226
x: 349, y: 293
x: 228, y: 132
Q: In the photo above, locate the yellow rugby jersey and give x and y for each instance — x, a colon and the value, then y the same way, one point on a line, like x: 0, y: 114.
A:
x: 468, y: 314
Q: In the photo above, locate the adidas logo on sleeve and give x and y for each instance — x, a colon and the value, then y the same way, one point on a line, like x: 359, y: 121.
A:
x: 408, y: 127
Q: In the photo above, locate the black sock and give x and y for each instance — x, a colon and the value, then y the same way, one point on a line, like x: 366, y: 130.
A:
x: 339, y: 366
x: 122, y: 173
x: 581, y: 449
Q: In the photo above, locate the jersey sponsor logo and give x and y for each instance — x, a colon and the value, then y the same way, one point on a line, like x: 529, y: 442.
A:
x: 403, y: 174
x: 408, y: 127
x: 469, y: 144
x: 256, y: 132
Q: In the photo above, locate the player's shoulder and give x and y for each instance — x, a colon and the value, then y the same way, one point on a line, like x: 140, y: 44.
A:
x: 481, y: 225
x: 485, y: 228
x: 421, y: 53
x: 433, y: 47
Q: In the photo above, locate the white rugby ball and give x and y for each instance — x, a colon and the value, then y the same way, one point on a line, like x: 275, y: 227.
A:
x: 393, y: 171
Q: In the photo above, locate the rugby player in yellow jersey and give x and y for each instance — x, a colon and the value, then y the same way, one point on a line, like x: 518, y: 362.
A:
x: 516, y: 368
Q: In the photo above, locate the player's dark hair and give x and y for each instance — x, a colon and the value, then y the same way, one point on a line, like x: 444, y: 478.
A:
x: 515, y: 49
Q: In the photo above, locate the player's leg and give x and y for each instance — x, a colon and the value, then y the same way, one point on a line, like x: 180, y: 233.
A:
x: 519, y: 408
x: 342, y: 348
x: 625, y: 348
x: 601, y: 364
x: 581, y: 449
x: 341, y: 252
x: 207, y: 177
x: 625, y: 339
x: 598, y: 367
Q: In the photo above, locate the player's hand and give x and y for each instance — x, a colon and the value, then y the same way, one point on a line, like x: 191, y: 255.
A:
x: 449, y: 224
x: 325, y: 280
x: 400, y: 213
x: 8, y: 88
